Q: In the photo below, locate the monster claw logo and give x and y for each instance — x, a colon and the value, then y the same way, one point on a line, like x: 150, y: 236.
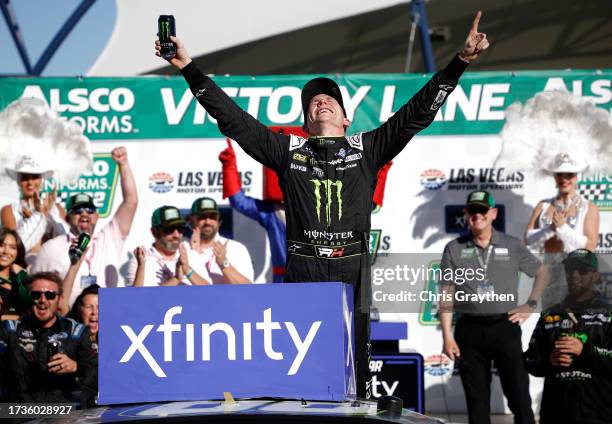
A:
x: 164, y: 30
x: 328, y: 187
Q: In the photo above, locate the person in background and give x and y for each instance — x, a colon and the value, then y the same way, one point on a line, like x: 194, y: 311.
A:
x: 488, y: 330
x: 214, y: 258
x: 49, y: 356
x: 558, y: 135
x: 166, y: 262
x: 14, y: 297
x: 101, y: 262
x: 85, y: 311
x: 36, y: 219
x: 562, y: 224
x: 571, y: 347
x: 567, y: 221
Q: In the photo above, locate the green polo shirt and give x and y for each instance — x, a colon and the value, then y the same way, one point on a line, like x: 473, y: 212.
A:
x: 507, y: 259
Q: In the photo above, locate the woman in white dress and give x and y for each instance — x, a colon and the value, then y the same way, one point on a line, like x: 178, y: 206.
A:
x: 35, y: 217
x: 561, y: 135
x: 567, y: 221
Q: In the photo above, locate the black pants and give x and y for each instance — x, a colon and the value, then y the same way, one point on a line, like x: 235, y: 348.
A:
x: 482, y: 341
x: 363, y: 355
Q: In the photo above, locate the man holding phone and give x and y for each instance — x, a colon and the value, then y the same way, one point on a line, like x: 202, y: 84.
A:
x: 328, y: 179
x: 571, y: 347
x: 48, y: 357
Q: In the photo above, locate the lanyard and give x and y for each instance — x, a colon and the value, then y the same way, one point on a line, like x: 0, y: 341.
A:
x: 90, y: 254
x: 484, y: 264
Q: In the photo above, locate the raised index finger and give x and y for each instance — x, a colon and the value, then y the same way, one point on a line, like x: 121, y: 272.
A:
x: 476, y: 21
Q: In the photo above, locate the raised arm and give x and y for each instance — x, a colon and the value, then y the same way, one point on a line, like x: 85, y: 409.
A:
x: 390, y: 138
x: 126, y: 211
x: 257, y: 140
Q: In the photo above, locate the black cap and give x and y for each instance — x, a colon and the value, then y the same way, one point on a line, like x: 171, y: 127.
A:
x: 79, y: 200
x: 317, y: 86
x: 480, y: 198
x: 166, y: 216
x: 584, y: 257
x: 204, y: 205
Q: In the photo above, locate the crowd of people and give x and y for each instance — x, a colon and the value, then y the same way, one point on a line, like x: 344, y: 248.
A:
x: 50, y: 274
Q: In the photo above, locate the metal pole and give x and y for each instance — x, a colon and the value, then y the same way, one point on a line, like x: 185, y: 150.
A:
x: 13, y: 26
x: 417, y: 8
x: 68, y: 26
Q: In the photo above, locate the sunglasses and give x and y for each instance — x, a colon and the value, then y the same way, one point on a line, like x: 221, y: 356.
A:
x: 78, y: 211
x: 213, y: 216
x: 49, y: 295
x: 565, y: 175
x: 582, y: 269
x: 475, y: 209
x: 171, y: 229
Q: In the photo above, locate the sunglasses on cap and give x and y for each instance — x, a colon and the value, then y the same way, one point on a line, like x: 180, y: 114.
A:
x: 172, y: 228
x: 49, y: 295
x: 582, y: 269
x: 80, y: 210
x: 475, y: 209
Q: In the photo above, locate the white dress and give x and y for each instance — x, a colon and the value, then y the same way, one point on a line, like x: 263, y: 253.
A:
x: 571, y: 234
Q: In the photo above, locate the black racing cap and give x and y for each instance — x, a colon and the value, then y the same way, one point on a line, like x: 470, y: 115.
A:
x: 166, y: 216
x: 480, y: 198
x: 321, y: 85
x: 583, y: 257
x: 80, y: 200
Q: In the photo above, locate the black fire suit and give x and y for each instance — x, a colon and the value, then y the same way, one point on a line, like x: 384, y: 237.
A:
x: 582, y: 392
x: 26, y: 353
x: 328, y: 183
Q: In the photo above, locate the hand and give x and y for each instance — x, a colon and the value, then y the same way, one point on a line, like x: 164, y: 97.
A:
x: 558, y: 219
x: 228, y: 156
x: 520, y: 314
x: 74, y: 244
x: 569, y: 345
x: 181, y: 58
x: 44, y: 206
x: 60, y: 363
x: 120, y: 156
x: 140, y: 254
x: 49, y: 201
x: 475, y: 43
x: 558, y: 359
x: 220, y: 252
x: 451, y: 349
x: 195, y: 239
x: 183, y: 267
x: 26, y: 209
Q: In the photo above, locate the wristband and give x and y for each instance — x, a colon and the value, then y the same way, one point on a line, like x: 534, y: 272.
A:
x: 189, y: 274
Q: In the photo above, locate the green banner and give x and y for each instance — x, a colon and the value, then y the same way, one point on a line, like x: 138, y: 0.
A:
x: 101, y: 184
x: 160, y: 107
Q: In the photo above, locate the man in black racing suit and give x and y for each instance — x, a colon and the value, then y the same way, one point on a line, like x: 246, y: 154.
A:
x: 48, y: 358
x: 328, y: 179
x: 571, y: 347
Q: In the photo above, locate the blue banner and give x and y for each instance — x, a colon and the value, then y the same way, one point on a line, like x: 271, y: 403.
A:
x: 289, y: 341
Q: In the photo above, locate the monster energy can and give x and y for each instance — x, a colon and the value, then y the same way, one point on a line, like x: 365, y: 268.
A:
x: 166, y: 27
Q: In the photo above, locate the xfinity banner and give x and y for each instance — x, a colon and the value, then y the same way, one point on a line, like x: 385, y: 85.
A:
x: 194, y: 343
